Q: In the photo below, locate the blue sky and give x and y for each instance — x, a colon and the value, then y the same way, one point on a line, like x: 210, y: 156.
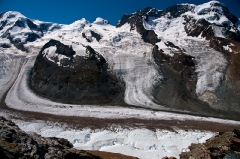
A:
x: 68, y: 11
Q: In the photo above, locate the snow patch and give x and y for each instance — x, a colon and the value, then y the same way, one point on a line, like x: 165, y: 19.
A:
x: 51, y: 55
x: 227, y: 48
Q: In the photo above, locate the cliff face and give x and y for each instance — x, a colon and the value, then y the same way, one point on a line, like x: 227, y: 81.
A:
x: 15, y: 143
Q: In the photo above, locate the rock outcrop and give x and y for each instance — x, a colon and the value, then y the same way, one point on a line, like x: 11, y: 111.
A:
x: 75, y: 79
x: 225, y: 145
x: 136, y: 22
x: 15, y: 143
x: 179, y: 80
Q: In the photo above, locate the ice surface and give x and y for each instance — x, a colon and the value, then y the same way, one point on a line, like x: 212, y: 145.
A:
x: 9, y: 68
x: 142, y: 143
x: 211, y: 65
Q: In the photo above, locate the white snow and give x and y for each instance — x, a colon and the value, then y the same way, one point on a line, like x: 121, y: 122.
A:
x: 100, y: 21
x: 138, y: 142
x: 10, y: 17
x: 17, y: 32
x: 227, y: 48
x: 205, y: 11
x: 51, y: 54
x: 5, y: 41
x: 238, y: 24
x: 211, y: 65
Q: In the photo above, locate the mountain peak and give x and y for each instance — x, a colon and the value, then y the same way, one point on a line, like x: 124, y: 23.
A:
x: 11, y: 14
x: 100, y: 21
x: 79, y: 23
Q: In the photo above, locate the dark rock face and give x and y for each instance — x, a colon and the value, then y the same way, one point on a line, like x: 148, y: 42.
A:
x: 61, y: 48
x: 45, y: 27
x: 95, y: 35
x: 225, y: 145
x: 179, y: 82
x: 5, y: 45
x: 174, y: 11
x: 131, y: 18
x: 136, y: 22
x: 17, y: 43
x: 177, y: 10
x: 169, y: 157
x: 80, y: 80
x: 195, y: 29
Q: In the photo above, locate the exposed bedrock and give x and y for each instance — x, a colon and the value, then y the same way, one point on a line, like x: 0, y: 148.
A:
x: 136, y: 22
x: 179, y: 81
x: 75, y: 79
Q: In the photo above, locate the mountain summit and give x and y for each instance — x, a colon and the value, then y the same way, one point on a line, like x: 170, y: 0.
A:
x: 184, y: 58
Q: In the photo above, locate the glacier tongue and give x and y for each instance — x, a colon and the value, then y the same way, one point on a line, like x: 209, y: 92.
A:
x: 131, y: 59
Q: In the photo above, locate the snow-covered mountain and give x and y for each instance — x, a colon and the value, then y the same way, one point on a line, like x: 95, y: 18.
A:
x: 183, y: 58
